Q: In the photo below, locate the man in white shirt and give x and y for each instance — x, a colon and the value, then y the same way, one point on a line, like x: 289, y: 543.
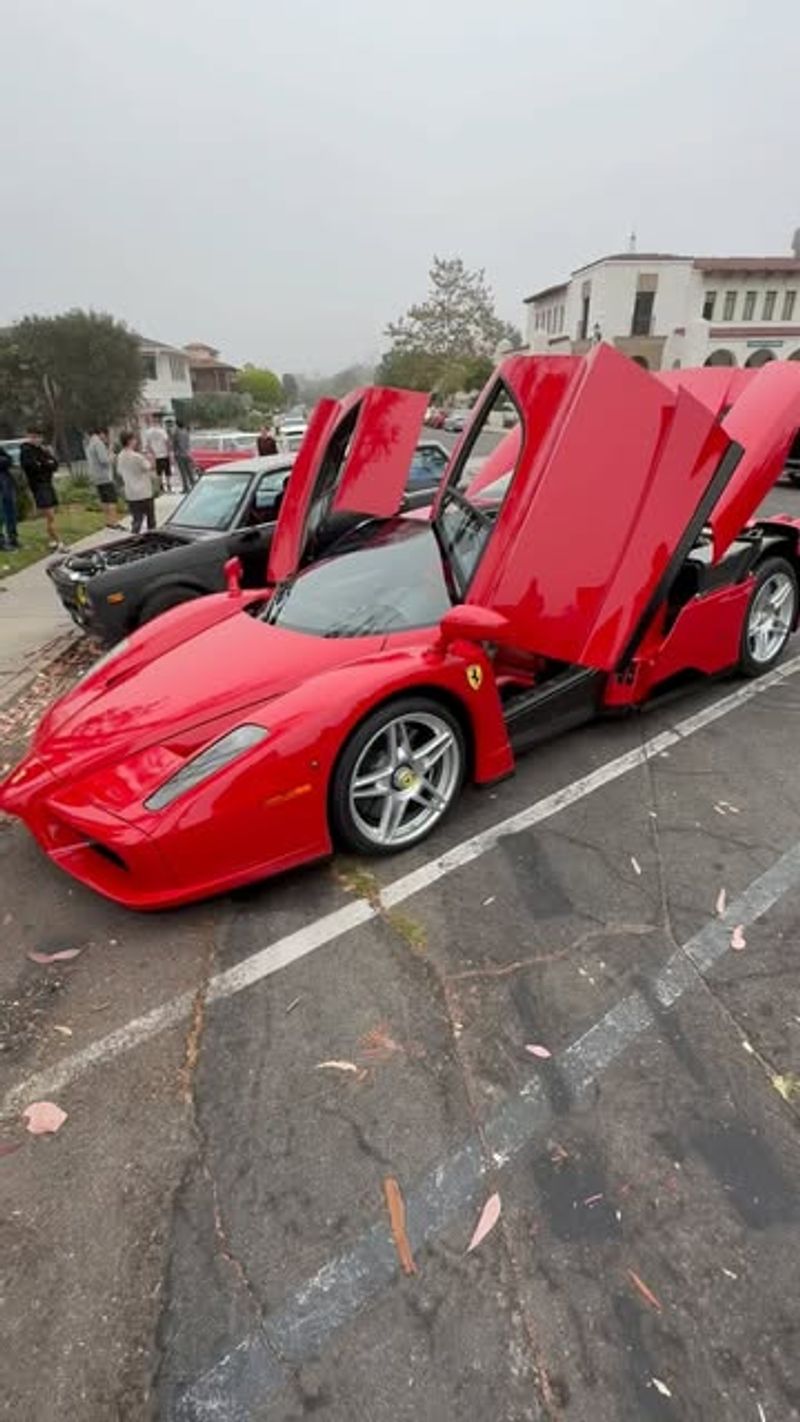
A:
x: 137, y: 481
x: 156, y: 444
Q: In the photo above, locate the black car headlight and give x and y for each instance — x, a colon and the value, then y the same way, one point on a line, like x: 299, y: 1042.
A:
x: 215, y: 757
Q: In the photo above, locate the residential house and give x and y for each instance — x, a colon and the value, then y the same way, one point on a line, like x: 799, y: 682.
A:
x: 167, y: 377
x: 209, y: 374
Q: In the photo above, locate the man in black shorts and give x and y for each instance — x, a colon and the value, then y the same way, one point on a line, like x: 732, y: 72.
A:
x: 100, y: 464
x: 39, y: 464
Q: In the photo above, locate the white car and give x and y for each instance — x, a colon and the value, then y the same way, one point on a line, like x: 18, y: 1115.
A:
x: 291, y: 434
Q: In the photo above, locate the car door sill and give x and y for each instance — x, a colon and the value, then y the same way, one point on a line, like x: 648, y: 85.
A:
x: 567, y: 700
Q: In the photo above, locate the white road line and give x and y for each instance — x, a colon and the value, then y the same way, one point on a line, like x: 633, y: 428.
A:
x: 308, y: 939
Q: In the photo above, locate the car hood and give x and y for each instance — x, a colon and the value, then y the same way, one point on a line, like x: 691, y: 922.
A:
x: 162, y: 687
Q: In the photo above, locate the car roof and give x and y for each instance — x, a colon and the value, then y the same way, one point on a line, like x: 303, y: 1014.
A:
x: 259, y: 464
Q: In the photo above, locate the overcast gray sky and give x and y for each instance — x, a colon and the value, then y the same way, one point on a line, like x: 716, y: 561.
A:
x: 274, y: 178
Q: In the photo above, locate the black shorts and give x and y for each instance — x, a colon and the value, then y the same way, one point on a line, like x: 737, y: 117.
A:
x: 162, y: 465
x: 106, y: 493
x: 44, y: 495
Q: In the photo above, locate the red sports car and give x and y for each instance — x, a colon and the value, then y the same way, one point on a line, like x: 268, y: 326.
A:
x: 346, y: 703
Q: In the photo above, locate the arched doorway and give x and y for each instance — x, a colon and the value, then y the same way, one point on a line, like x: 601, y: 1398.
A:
x: 642, y: 361
x: 721, y: 357
x: 795, y: 355
x: 762, y: 357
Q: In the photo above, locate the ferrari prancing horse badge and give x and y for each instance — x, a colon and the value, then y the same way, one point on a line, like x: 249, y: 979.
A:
x: 475, y: 676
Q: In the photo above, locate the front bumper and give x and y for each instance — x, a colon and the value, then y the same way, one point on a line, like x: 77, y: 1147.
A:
x: 73, y: 593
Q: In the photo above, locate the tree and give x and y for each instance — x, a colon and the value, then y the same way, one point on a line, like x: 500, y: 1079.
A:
x: 263, y: 386
x: 291, y: 390
x: 410, y: 370
x: 314, y: 387
x: 458, y: 319
x: 81, y: 370
x: 221, y: 410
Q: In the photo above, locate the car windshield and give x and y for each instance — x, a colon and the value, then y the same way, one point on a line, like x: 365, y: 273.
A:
x: 212, y: 502
x: 383, y: 578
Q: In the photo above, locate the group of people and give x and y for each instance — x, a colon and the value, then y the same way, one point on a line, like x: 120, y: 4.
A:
x: 39, y: 464
x: 144, y: 470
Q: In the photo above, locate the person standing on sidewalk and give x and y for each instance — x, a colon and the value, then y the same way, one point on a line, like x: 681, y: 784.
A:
x: 8, y: 502
x: 156, y: 444
x: 182, y: 449
x: 137, y: 480
x: 39, y: 464
x: 101, y: 473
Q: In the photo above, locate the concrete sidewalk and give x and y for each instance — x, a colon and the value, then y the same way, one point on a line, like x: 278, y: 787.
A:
x: 33, y: 624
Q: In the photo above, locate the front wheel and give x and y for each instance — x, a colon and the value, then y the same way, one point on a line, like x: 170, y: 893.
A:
x: 770, y: 617
x: 397, y: 777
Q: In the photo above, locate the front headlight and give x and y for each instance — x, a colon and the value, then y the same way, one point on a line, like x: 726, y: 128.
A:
x: 219, y: 754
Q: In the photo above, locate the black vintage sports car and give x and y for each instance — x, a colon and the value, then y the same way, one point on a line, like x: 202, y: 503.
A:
x: 113, y: 588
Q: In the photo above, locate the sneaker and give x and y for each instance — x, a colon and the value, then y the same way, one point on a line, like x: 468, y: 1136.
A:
x: 56, y: 546
x: 116, y: 527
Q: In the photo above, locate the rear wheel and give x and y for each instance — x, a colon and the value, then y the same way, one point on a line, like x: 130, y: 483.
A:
x: 162, y: 602
x: 770, y: 618
x: 397, y: 777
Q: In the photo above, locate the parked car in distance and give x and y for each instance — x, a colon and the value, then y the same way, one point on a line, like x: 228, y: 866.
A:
x: 291, y: 432
x: 210, y: 447
x: 457, y: 420
x: 117, y: 586
x: 12, y: 448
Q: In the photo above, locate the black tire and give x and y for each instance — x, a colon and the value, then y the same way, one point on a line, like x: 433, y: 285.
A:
x: 345, y: 826
x: 162, y: 601
x: 750, y: 664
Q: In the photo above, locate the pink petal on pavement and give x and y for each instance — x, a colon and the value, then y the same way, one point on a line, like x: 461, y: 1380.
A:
x: 722, y: 900
x: 537, y: 1051
x: 43, y: 1118
x: 738, y: 940
x: 64, y: 955
x: 490, y: 1214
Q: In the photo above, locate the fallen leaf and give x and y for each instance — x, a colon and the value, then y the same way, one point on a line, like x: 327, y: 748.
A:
x: 721, y: 904
x: 43, y: 1118
x: 738, y: 940
x: 65, y: 1031
x: 64, y: 955
x: 647, y: 1294
x: 490, y: 1214
x: 661, y: 1387
x: 593, y: 1200
x: 9, y: 1147
x: 762, y: 1416
x: 748, y: 1047
x: 729, y: 1274
x: 337, y: 1066
x: 397, y: 1217
x: 787, y: 1086
x: 637, y: 868
x: 536, y: 1051
x: 293, y: 1004
x: 719, y: 810
x: 489, y: 901
x: 378, y: 1044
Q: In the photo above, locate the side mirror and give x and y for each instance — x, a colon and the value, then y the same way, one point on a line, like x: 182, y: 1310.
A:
x: 470, y: 623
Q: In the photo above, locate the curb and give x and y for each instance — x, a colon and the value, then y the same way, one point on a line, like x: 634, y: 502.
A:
x: 45, y: 655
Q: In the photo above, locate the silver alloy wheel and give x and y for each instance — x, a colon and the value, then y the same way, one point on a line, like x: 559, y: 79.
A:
x: 770, y: 618
x: 405, y: 778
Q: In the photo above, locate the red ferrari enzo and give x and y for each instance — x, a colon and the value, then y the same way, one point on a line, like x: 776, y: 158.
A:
x: 611, y: 554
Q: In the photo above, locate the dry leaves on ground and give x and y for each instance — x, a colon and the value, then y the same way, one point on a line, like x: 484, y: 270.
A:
x: 646, y: 1293
x: 43, y: 1118
x: 490, y: 1214
x: 64, y: 955
x: 397, y: 1217
x: 738, y: 940
x: 536, y: 1050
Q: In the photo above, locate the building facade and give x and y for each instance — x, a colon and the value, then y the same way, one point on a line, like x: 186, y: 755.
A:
x: 209, y: 374
x: 670, y: 311
x: 166, y: 377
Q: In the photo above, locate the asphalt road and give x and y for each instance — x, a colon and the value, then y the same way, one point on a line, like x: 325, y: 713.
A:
x: 207, y: 1236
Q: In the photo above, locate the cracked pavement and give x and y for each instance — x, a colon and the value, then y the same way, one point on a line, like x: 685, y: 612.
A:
x: 214, y: 1190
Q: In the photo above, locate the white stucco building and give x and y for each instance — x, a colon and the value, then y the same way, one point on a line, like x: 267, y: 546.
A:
x: 167, y: 377
x: 669, y: 311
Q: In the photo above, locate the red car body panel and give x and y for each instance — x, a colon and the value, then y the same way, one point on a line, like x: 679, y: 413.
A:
x: 373, y: 473
x: 599, y: 422
x: 576, y: 573
x: 208, y: 458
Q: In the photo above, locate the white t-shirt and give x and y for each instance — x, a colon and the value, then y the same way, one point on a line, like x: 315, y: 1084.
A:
x: 155, y: 439
x: 135, y: 473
